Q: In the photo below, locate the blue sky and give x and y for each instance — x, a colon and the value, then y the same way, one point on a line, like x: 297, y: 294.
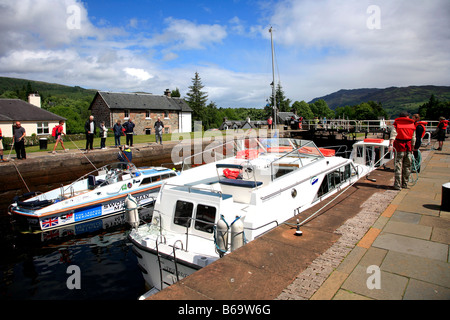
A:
x: 151, y: 45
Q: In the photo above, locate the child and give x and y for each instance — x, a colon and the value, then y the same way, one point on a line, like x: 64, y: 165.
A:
x: 57, y: 134
x: 103, y: 135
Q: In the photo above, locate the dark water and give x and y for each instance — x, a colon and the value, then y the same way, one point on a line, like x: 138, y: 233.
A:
x: 36, y: 266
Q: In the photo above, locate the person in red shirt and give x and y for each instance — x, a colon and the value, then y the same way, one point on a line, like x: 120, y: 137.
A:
x: 269, y: 123
x: 442, y: 130
x: 402, y: 139
x: 58, y: 132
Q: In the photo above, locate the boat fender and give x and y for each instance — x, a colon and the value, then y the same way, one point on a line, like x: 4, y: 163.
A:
x: 221, y: 236
x: 131, y: 209
x: 237, y: 234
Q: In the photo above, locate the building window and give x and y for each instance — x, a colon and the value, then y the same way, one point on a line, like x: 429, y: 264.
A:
x: 126, y: 114
x: 166, y: 114
x: 147, y: 114
x: 42, y: 128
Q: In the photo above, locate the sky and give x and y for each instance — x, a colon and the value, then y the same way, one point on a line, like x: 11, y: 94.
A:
x: 321, y: 46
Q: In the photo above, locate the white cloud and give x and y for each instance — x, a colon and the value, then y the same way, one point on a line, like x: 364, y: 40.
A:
x: 140, y: 74
x: 335, y: 49
x: 321, y: 47
x: 184, y: 34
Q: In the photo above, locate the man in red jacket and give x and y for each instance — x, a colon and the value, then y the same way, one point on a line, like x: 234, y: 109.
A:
x: 442, y: 130
x: 402, y: 139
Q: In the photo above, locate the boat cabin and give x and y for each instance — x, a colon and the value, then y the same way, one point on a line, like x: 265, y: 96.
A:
x: 371, y: 152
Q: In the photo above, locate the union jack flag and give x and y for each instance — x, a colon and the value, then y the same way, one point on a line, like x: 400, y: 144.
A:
x: 50, y: 222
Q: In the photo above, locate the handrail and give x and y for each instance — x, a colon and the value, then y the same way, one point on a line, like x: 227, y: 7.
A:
x: 193, y: 188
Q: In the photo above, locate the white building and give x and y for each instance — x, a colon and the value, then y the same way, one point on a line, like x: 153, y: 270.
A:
x: 34, y: 119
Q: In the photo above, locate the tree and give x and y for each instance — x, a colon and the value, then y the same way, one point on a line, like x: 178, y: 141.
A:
x: 434, y: 109
x: 176, y: 93
x: 283, y: 103
x: 346, y: 112
x: 211, y: 117
x: 320, y: 109
x: 303, y: 110
x: 196, y: 98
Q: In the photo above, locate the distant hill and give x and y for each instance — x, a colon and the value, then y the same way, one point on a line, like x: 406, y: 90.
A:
x: 45, y: 89
x: 393, y: 99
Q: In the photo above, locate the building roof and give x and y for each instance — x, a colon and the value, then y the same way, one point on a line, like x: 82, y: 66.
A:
x: 19, y: 110
x: 142, y: 101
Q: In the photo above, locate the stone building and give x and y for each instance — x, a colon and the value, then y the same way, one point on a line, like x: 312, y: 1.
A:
x: 143, y: 109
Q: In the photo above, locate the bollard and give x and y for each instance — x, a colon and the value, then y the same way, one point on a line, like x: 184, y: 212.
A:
x: 445, y: 202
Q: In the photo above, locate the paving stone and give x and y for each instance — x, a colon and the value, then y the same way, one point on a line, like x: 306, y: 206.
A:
x: 346, y: 295
x: 407, y: 217
x: 419, y: 290
x: 351, y: 260
x: 441, y: 235
x: 408, y: 229
x: 435, y: 222
x: 392, y: 285
x: 416, y: 204
x: 425, y: 269
x: 413, y: 246
x: 330, y: 286
x: 373, y: 256
x: 381, y: 222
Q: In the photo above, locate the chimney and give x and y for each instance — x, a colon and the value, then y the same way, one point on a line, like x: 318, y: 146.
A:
x: 167, y: 93
x: 34, y: 99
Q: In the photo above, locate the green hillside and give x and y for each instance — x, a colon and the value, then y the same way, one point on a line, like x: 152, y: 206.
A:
x: 71, y: 103
x: 19, y: 87
x: 393, y: 99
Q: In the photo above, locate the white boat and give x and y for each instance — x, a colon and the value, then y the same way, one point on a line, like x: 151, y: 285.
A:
x: 95, y: 195
x: 211, y: 210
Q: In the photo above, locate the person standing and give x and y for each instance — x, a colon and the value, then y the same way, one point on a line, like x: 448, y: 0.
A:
x: 58, y: 131
x: 269, y: 122
x: 90, y: 128
x: 442, y: 130
x: 103, y: 135
x: 159, y: 130
x: 402, y: 139
x: 1, y: 146
x: 118, y: 131
x: 129, y: 132
x: 420, y: 133
x: 19, y: 140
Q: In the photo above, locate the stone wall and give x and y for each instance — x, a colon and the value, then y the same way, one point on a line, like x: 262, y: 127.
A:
x: 101, y: 112
x: 143, y: 124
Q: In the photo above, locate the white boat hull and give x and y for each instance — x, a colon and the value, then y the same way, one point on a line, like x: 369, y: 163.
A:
x: 85, y: 200
x: 184, y: 235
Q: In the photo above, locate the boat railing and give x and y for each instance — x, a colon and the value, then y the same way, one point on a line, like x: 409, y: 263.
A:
x: 341, y: 150
x: 192, y: 189
x: 161, y: 238
x: 120, y: 165
x: 221, y: 151
x: 307, y: 150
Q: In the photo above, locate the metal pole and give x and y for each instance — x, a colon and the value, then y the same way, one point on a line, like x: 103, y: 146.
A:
x: 273, y: 82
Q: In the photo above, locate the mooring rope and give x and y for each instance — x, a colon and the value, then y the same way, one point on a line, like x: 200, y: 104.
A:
x: 17, y: 169
x: 83, y: 153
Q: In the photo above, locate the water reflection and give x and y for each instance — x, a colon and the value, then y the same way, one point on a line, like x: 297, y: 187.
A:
x: 34, y: 266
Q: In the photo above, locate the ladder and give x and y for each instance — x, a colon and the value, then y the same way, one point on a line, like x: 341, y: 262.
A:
x: 158, y: 254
